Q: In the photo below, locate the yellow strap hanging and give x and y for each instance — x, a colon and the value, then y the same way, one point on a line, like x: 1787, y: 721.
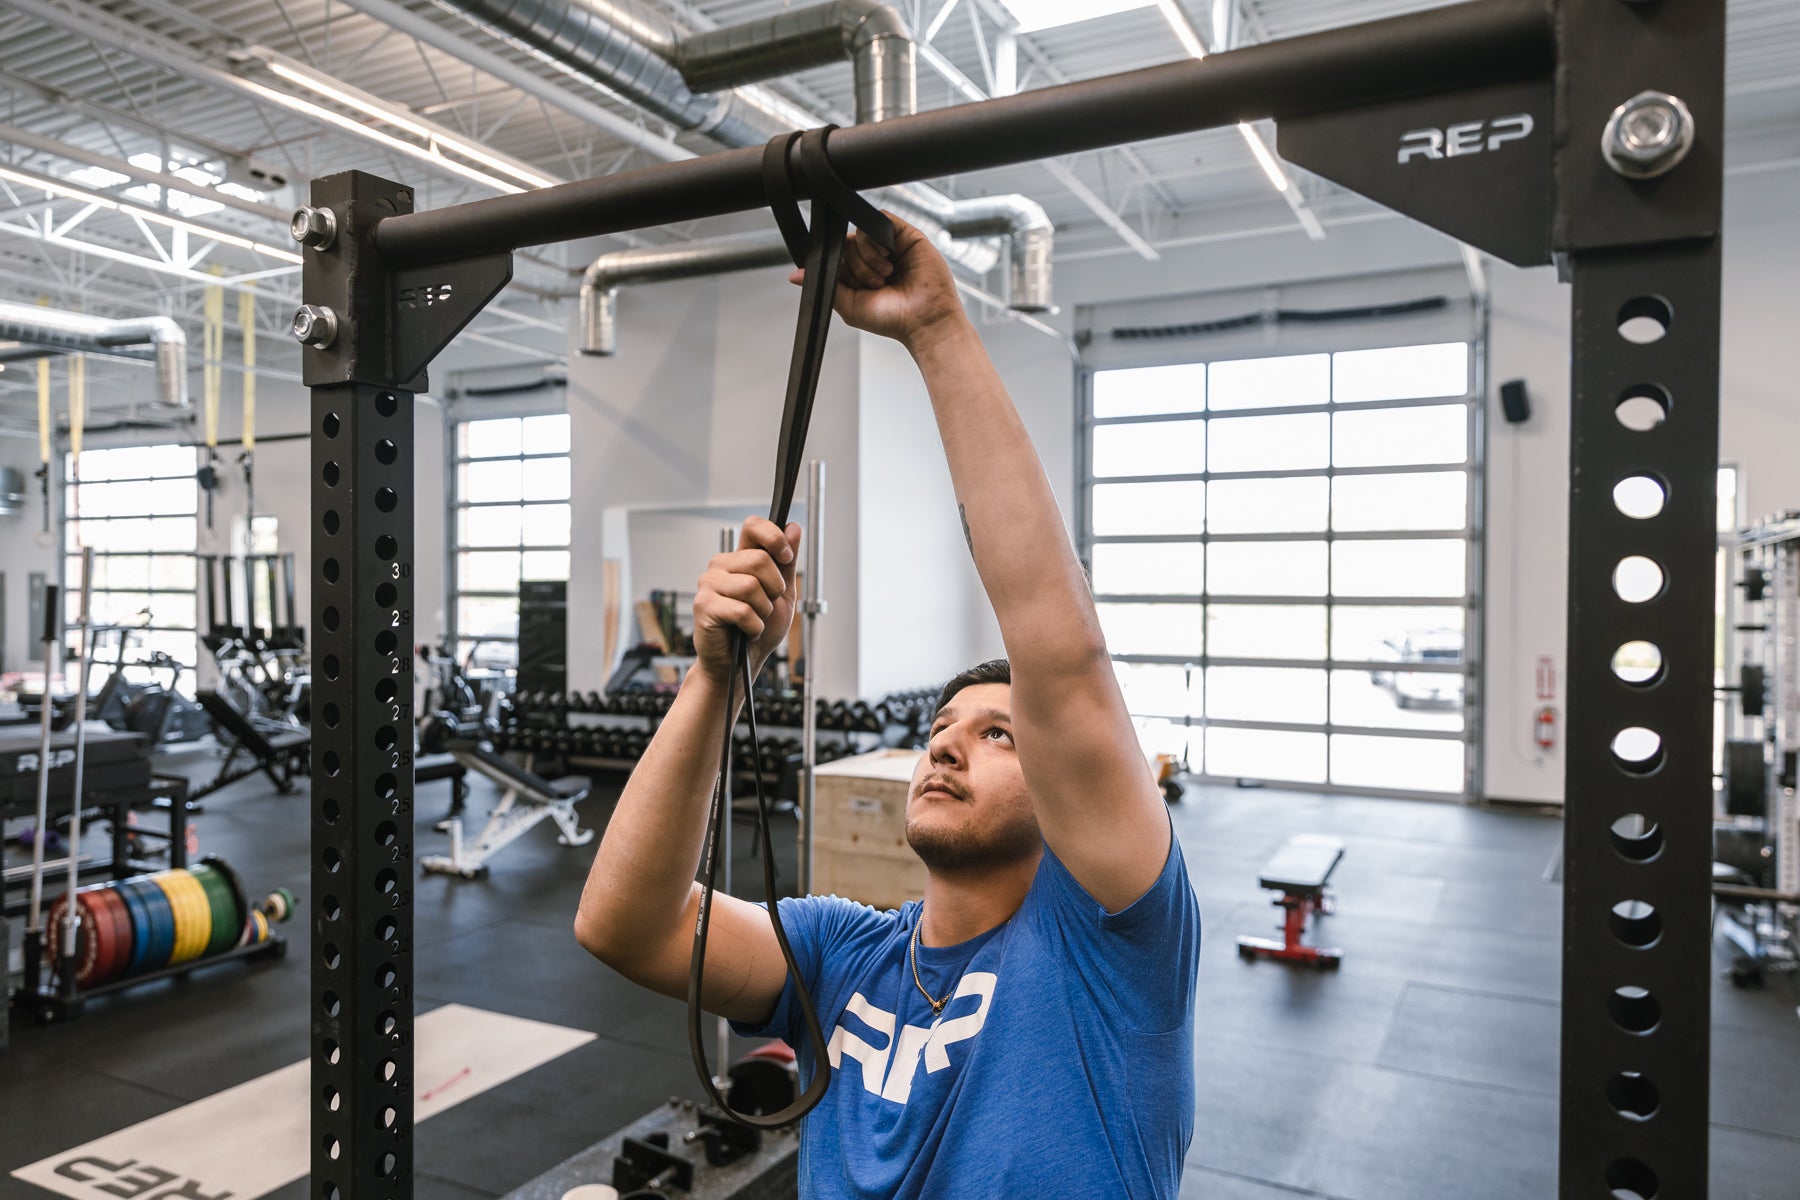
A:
x: 247, y: 324
x: 77, y: 410
x: 44, y: 426
x: 212, y: 350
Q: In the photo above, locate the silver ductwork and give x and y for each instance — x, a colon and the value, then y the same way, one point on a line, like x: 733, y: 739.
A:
x: 870, y: 34
x: 628, y: 48
x: 601, y: 282
x: 1031, y: 238
x: 46, y: 329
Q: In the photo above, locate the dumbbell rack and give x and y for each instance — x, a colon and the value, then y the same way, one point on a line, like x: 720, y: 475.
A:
x: 609, y: 735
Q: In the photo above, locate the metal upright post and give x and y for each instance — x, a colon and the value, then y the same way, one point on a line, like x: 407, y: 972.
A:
x: 727, y: 543
x: 72, y: 917
x: 812, y: 608
x: 34, y: 925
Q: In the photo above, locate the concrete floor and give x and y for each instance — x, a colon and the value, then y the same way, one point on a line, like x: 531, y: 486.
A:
x: 1424, y: 1068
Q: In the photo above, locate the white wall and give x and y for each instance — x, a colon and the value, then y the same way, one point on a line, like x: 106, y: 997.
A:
x: 686, y: 414
x: 1526, y: 600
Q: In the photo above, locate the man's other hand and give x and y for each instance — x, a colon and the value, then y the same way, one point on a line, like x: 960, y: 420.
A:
x: 749, y: 589
x: 908, y: 294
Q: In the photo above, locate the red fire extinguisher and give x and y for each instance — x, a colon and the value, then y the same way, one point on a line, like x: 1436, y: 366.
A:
x: 1546, y: 727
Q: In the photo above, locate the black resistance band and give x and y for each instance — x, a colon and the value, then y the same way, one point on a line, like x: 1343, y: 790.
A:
x: 818, y: 251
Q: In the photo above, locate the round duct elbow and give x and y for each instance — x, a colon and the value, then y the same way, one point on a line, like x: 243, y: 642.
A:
x: 886, y: 77
x: 599, y: 321
x: 171, y: 373
x: 1030, y: 255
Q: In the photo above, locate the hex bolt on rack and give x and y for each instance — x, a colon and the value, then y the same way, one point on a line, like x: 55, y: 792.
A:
x: 1582, y: 132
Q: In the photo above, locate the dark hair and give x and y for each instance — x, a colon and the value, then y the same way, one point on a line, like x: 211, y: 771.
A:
x: 995, y: 670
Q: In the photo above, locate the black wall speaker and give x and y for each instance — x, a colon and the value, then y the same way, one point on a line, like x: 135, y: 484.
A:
x: 1514, y: 402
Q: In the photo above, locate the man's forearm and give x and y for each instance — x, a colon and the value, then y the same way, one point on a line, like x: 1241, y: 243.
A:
x: 644, y: 870
x: 1009, y: 515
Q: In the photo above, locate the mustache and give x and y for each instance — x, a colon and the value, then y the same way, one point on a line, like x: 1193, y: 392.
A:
x: 939, y: 783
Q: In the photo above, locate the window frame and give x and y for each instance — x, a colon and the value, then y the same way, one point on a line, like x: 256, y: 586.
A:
x: 1471, y: 534
x: 73, y: 520
x: 456, y: 505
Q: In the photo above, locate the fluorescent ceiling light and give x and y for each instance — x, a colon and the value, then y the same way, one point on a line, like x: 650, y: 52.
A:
x: 438, y: 139
x: 57, y: 188
x: 1184, y: 29
x: 1034, y: 15
x: 1190, y: 41
x: 1267, y: 161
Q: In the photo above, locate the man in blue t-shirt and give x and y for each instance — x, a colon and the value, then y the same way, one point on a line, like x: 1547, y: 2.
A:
x: 1027, y: 1029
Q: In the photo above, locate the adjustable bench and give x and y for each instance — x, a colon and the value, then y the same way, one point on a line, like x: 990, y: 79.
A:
x: 428, y: 768
x: 528, y: 798
x: 281, y: 754
x: 1299, y: 872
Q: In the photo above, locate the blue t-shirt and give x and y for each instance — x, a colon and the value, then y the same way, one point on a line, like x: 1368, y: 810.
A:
x: 1063, y: 1066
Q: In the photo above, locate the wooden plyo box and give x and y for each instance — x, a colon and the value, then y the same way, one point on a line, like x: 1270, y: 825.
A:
x: 859, y: 830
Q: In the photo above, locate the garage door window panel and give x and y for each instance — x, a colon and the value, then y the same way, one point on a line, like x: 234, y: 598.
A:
x: 1294, y: 381
x: 1401, y: 437
x: 1286, y: 442
x: 1265, y: 631
x: 1160, y: 629
x: 1147, y: 391
x: 1148, y: 508
x: 1272, y: 754
x: 1329, y: 549
x: 1148, y: 568
x: 1399, y: 568
x: 1149, y: 448
x: 1270, y: 505
x: 1273, y: 694
x: 1406, y: 696
x: 1269, y: 568
x: 1410, y: 764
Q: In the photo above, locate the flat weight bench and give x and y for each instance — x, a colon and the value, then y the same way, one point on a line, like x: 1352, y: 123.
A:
x: 528, y: 798
x: 1299, y: 871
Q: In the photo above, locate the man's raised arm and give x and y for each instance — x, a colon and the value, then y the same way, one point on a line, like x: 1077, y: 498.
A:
x: 640, y: 905
x: 1098, y: 805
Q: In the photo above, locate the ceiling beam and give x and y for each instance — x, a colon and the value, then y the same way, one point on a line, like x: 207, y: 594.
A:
x: 106, y: 162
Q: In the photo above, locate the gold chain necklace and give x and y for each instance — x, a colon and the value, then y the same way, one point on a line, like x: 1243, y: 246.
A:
x: 937, y: 1006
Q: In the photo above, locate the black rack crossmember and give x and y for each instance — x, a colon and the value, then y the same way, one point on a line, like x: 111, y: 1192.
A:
x: 1584, y: 132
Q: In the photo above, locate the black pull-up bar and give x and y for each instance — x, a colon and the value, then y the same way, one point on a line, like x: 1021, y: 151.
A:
x: 1447, y: 49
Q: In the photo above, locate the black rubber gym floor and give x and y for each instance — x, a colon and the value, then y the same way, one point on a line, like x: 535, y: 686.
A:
x: 1424, y: 1068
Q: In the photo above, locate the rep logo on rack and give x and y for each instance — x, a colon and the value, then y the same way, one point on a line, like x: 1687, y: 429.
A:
x: 1467, y: 137
x: 424, y: 296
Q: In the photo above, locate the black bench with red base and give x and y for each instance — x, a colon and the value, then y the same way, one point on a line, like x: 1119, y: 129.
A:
x: 1299, y: 871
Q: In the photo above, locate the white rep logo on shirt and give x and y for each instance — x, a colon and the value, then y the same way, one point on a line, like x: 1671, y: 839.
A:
x: 888, y: 1071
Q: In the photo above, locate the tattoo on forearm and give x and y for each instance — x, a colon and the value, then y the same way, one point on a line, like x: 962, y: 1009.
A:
x: 967, y: 536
